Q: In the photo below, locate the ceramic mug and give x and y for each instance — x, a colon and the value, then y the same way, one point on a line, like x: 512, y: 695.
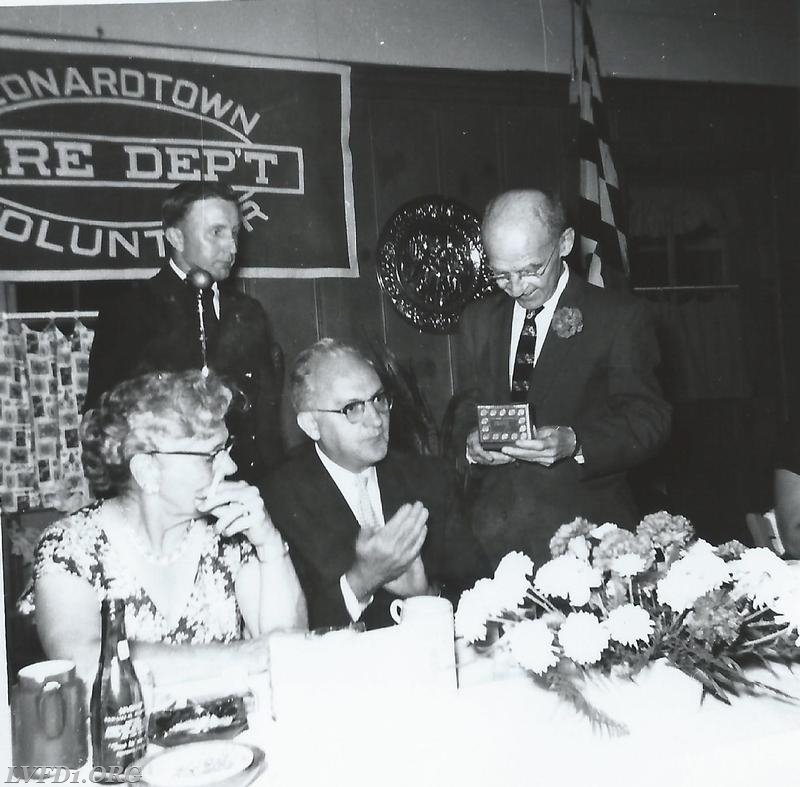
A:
x: 421, y: 609
x: 425, y: 636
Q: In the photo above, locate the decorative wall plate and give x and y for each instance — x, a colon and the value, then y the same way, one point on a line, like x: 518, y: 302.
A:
x: 431, y: 262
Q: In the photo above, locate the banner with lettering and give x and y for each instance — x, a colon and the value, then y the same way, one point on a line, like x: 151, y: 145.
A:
x: 94, y: 135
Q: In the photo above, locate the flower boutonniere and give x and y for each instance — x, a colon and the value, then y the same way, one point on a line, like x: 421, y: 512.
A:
x: 567, y: 321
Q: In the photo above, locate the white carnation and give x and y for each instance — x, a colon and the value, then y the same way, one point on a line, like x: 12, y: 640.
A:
x: 568, y: 577
x: 628, y: 565
x: 578, y: 547
x: 760, y: 575
x: 787, y: 608
x: 603, y: 530
x: 697, y: 573
x: 475, y: 606
x: 532, y: 646
x: 583, y: 638
x: 629, y: 624
x: 674, y: 591
x: 511, y: 579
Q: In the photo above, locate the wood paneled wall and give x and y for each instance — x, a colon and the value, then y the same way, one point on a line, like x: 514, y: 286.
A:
x: 415, y: 133
x: 468, y: 135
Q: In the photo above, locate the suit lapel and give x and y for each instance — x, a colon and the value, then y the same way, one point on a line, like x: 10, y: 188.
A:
x: 167, y: 283
x: 176, y: 297
x: 228, y: 317
x: 317, y: 516
x: 328, y: 498
x: 497, y: 337
x: 391, y: 490
x: 554, y: 358
x: 504, y: 341
x: 227, y: 306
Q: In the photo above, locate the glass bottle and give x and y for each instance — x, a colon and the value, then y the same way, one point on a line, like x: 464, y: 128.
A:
x: 119, y: 735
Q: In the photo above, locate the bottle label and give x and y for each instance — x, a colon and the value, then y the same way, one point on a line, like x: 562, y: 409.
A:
x: 123, y: 650
x: 124, y: 731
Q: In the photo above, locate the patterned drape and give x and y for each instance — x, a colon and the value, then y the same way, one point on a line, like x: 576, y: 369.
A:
x: 658, y: 211
x: 43, y: 377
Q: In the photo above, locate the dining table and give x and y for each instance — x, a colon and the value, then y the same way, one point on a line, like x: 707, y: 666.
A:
x: 501, y: 727
x: 377, y: 709
x: 400, y: 706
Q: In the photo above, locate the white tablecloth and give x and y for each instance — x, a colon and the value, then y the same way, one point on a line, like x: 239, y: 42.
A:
x: 500, y: 728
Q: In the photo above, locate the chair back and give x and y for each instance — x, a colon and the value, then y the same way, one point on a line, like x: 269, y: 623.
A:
x: 5, y: 708
x: 764, y: 532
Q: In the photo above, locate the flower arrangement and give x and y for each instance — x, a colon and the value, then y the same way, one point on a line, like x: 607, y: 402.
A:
x: 614, y: 600
x: 567, y: 321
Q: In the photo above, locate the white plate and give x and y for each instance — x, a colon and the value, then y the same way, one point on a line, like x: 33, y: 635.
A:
x: 197, y: 764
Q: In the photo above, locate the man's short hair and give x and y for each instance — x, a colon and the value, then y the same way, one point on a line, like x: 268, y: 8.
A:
x: 554, y: 215
x: 539, y: 206
x: 175, y: 207
x: 301, y: 384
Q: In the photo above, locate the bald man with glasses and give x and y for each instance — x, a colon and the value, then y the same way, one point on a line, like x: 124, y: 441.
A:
x: 583, y: 359
x: 364, y: 525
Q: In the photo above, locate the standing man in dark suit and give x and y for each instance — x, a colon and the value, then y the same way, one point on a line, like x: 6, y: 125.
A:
x: 154, y: 324
x: 582, y: 357
x: 364, y: 527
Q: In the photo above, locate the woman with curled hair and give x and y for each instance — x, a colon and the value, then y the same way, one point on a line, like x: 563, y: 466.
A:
x: 204, y: 573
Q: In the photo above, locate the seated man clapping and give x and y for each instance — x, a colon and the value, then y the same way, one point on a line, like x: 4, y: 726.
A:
x: 365, y: 525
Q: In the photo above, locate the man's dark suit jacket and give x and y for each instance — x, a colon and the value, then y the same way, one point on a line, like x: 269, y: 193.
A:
x: 153, y: 326
x: 314, y: 518
x: 601, y: 382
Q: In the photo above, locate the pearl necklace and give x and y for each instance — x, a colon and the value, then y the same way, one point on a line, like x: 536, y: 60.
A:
x: 160, y: 559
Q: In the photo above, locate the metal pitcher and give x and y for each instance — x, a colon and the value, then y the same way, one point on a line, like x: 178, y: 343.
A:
x: 48, y: 716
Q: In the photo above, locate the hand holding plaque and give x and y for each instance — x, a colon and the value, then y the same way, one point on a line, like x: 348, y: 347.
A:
x: 550, y: 445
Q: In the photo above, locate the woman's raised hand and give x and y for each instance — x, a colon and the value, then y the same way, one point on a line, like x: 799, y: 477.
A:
x: 238, y: 508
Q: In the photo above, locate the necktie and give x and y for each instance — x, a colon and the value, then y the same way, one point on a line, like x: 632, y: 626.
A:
x: 524, y: 359
x: 368, y: 517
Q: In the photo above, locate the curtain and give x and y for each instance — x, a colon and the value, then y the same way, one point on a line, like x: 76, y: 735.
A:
x: 702, y: 343
x: 658, y: 211
x: 43, y: 376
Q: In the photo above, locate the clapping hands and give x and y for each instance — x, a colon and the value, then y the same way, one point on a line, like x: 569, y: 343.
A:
x: 386, y: 554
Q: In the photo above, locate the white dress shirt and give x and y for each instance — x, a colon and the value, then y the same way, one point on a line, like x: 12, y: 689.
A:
x: 543, y: 320
x: 350, y: 485
x: 214, y: 287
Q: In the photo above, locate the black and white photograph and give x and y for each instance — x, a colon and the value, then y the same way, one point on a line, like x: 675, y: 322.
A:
x: 399, y: 392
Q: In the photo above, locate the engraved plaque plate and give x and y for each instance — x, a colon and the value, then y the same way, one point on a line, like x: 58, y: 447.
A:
x: 503, y: 424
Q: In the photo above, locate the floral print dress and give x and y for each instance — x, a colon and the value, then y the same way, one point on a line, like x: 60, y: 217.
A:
x: 78, y: 545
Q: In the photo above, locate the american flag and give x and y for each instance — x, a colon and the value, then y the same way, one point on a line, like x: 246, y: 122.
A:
x: 601, y: 240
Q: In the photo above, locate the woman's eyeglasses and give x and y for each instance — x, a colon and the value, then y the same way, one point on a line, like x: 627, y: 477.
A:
x: 354, y: 411
x: 211, y: 455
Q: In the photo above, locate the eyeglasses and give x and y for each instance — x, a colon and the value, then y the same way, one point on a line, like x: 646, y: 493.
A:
x: 532, y: 272
x: 354, y: 411
x: 211, y: 455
